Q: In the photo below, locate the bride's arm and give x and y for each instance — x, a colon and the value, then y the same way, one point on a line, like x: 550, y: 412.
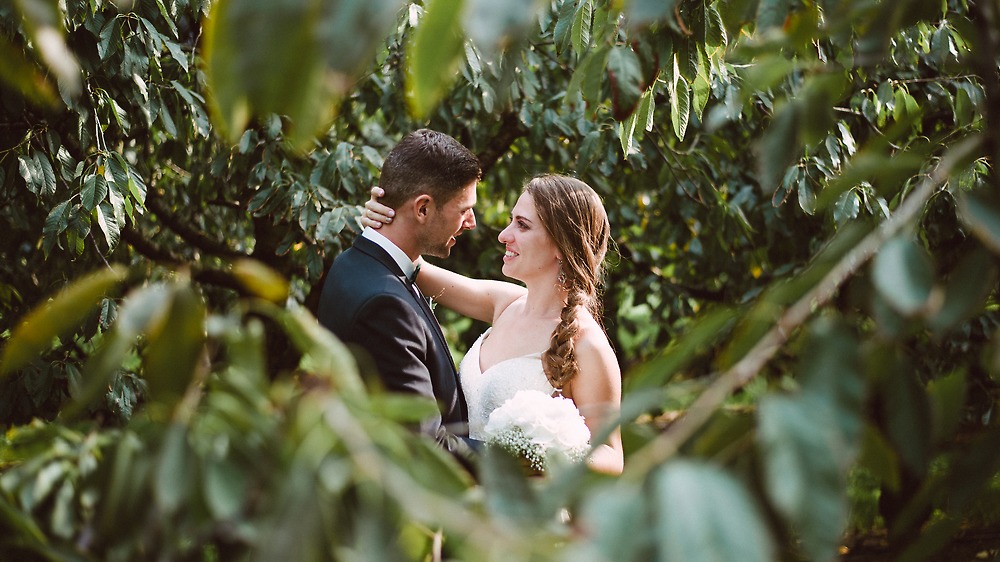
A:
x: 480, y: 299
x: 597, y: 392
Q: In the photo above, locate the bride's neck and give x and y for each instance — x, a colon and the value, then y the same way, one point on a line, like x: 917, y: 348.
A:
x: 545, y: 302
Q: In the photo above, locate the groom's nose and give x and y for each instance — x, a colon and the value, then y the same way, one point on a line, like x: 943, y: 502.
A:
x: 470, y: 221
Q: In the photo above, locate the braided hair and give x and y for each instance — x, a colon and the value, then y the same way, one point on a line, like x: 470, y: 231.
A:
x: 575, y: 218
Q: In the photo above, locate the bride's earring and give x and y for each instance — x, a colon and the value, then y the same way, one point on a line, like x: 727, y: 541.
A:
x: 561, y: 277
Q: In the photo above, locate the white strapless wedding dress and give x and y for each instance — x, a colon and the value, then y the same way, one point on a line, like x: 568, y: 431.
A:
x: 486, y: 391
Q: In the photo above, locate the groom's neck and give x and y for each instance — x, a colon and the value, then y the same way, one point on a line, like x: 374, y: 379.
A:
x: 402, y: 237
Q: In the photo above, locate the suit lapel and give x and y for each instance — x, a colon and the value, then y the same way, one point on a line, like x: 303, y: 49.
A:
x: 376, y: 252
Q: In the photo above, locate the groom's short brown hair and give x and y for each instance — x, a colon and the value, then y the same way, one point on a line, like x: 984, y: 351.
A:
x: 427, y: 161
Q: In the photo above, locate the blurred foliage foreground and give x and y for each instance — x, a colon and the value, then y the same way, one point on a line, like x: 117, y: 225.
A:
x: 807, y: 220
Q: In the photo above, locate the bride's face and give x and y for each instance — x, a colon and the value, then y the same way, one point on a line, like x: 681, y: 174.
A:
x: 530, y: 253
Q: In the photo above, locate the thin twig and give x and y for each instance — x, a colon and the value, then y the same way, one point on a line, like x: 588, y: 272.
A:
x: 668, y: 443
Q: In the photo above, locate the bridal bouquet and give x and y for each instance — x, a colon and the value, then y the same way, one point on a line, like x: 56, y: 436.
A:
x: 537, y: 428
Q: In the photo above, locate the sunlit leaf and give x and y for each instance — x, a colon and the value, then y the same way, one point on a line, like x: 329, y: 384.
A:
x: 175, y: 346
x: 433, y: 55
x: 43, y: 20
x: 260, y: 280
x: 58, y: 317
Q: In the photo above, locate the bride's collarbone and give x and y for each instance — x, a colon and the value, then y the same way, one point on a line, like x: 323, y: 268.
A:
x: 510, y: 341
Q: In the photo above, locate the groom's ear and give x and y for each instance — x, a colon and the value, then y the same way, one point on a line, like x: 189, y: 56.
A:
x: 422, y: 206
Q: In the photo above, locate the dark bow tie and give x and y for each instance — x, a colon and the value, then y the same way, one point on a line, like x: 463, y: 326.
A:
x: 413, y: 276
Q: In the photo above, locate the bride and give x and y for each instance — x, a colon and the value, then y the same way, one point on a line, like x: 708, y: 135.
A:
x: 545, y: 335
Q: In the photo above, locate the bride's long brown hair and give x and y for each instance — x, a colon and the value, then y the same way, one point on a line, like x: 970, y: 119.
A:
x: 574, y: 217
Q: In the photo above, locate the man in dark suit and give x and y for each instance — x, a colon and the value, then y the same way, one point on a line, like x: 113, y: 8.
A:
x: 369, y: 298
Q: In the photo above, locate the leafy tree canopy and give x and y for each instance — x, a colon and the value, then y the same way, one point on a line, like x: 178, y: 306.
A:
x: 807, y: 230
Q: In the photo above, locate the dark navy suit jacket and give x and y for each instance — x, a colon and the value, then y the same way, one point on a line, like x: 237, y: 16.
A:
x: 366, y: 300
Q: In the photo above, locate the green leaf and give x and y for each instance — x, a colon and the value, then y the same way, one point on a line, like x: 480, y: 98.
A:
x: 290, y: 57
x: 224, y: 487
x: 433, y: 54
x: 106, y: 44
x: 907, y: 411
x: 404, y: 408
x: 966, y: 290
x: 109, y: 223
x: 625, y: 77
x: 173, y: 479
x: 23, y: 74
x: 58, y: 317
x: 802, y: 472
x: 903, y: 276
x: 701, y: 89
x: 831, y: 370
x: 708, y: 328
x: 780, y: 147
x: 703, y: 513
x: 508, y: 492
x: 589, y: 76
x: 771, y: 14
x: 580, y: 34
x: 947, y: 401
x: 28, y: 169
x: 680, y: 106
x: 55, y: 224
x: 322, y: 353
x: 564, y: 25
x: 807, y: 197
x: 848, y: 206
x: 47, y: 174
x: 642, y: 12
x: 619, y: 516
x: 175, y: 347
x: 982, y: 216
x: 492, y: 26
x: 142, y: 308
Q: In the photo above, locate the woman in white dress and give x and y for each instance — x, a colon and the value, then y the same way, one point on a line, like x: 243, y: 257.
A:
x: 545, y: 335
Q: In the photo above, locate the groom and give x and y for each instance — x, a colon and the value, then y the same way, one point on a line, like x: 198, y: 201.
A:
x: 369, y: 297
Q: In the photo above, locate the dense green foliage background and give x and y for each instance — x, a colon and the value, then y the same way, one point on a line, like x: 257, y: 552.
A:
x: 803, y: 294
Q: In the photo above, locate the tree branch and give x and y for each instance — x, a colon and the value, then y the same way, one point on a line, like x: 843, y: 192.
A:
x: 510, y: 130
x: 190, y: 234
x: 668, y: 443
x: 216, y: 277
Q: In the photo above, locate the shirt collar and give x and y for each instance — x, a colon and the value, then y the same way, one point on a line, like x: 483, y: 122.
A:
x: 399, y: 256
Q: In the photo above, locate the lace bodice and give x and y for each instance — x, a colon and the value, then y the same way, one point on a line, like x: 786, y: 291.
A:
x: 485, y: 391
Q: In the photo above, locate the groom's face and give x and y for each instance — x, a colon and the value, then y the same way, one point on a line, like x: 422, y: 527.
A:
x: 447, y: 221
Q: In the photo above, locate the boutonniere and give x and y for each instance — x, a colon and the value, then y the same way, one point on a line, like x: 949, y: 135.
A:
x: 432, y: 303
